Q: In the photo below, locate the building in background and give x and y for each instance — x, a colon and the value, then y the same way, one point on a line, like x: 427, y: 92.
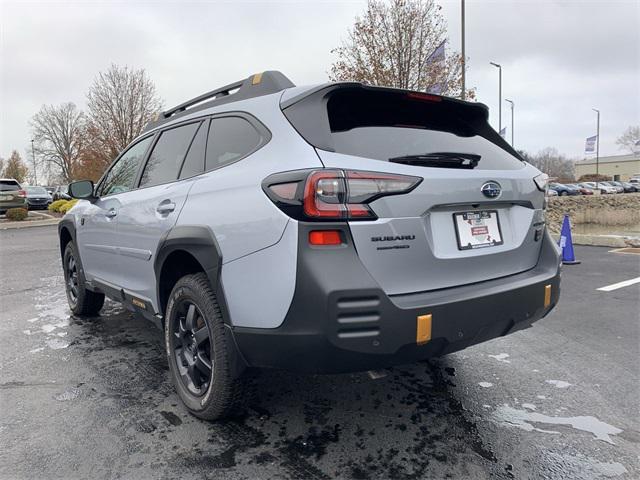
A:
x: 618, y: 167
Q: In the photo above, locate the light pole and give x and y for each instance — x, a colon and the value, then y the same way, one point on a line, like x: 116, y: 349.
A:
x: 35, y: 172
x: 464, y: 59
x: 512, y: 105
x: 499, y: 67
x: 597, y: 144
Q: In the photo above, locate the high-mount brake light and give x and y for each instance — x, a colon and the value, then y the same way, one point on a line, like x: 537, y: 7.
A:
x: 425, y: 97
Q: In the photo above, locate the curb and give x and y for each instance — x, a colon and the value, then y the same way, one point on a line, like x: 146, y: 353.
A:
x: 29, y: 224
x: 615, y: 241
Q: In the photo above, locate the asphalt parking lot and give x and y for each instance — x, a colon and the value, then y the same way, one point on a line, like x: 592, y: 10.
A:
x: 91, y: 398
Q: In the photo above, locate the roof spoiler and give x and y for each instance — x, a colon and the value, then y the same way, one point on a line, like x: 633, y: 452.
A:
x: 253, y: 86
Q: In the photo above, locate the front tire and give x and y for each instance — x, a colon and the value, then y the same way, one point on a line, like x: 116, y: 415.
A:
x: 199, y: 355
x: 82, y: 302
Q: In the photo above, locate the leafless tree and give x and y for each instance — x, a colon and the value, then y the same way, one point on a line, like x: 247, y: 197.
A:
x: 59, y: 134
x: 121, y: 102
x: 552, y: 163
x: 630, y: 139
x: 390, y: 44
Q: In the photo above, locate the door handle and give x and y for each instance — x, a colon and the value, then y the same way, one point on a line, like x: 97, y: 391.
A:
x: 111, y: 213
x: 166, y: 207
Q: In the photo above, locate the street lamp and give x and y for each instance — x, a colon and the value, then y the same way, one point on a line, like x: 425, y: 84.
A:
x: 512, y: 105
x: 499, y: 67
x: 597, y: 143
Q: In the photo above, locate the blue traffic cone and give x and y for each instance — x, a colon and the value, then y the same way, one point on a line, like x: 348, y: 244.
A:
x: 566, y: 243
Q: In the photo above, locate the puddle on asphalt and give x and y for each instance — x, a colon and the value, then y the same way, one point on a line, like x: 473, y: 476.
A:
x: 525, y: 420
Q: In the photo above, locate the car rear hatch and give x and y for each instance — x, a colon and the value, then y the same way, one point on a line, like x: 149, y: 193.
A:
x: 476, y: 215
x: 10, y: 193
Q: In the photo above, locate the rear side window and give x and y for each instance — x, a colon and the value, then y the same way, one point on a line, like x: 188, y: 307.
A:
x: 9, y: 186
x: 122, y: 175
x: 230, y: 139
x: 194, y: 162
x: 384, y: 124
x: 167, y: 155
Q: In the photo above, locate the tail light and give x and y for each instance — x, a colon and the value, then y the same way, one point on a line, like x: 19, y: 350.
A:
x: 22, y: 193
x: 334, y: 194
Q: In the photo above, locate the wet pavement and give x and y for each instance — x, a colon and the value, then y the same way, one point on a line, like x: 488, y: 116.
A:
x: 91, y: 398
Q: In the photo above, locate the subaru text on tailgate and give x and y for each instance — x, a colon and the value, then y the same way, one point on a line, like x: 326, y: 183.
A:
x: 333, y: 228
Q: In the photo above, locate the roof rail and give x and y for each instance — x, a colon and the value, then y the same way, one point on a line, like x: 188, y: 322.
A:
x: 256, y: 85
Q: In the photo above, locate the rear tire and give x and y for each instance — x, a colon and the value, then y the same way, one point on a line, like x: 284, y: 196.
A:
x: 82, y: 302
x: 200, y: 358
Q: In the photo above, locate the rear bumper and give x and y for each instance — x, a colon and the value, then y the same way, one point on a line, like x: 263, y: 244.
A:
x: 4, y: 206
x: 341, y: 321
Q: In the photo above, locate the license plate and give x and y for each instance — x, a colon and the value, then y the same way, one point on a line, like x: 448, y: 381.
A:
x: 477, y: 229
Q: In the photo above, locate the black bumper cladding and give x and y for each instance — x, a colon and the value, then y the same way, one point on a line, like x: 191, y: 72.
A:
x: 341, y: 321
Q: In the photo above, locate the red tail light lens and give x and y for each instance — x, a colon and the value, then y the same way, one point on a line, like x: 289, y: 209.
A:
x: 333, y: 194
x: 336, y: 194
x: 22, y: 193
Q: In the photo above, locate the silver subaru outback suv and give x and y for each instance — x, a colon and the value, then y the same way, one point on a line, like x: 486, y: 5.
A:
x: 331, y: 228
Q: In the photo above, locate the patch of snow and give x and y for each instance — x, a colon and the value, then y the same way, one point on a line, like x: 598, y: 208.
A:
x: 36, y: 350
x: 485, y: 384
x: 529, y: 406
x: 541, y: 397
x: 524, y: 419
x: 501, y: 357
x: 56, y: 344
x: 559, y: 383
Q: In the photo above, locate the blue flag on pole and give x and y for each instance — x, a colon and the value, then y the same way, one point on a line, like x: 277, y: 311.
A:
x: 433, y: 60
x: 590, y: 144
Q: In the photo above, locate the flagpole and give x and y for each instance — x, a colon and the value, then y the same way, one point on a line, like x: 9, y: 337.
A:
x: 597, y: 144
x: 464, y: 59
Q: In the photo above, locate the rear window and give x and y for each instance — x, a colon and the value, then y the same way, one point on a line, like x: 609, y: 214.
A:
x: 36, y: 191
x: 9, y: 186
x: 382, y: 124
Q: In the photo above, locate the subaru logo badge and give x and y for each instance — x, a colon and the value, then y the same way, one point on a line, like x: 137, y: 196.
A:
x: 491, y: 189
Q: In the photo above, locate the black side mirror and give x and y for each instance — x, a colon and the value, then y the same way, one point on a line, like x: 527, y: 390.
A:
x: 82, y: 189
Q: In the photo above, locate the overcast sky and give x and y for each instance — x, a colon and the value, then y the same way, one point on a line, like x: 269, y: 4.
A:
x: 559, y: 58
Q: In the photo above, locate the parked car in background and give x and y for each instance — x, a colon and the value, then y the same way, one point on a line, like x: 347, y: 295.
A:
x: 37, y: 197
x: 551, y: 193
x: 603, y: 187
x: 631, y: 187
x: 563, y: 189
x: 628, y: 188
x: 61, y: 193
x: 12, y: 195
x: 50, y: 190
x: 582, y: 190
x: 619, y: 188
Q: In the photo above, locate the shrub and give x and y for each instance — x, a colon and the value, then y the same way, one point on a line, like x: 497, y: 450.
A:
x: 55, y: 206
x: 67, y: 206
x: 17, y: 214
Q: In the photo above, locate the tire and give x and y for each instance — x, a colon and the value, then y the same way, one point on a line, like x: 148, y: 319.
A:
x: 82, y: 302
x: 194, y: 340
x: 563, y: 194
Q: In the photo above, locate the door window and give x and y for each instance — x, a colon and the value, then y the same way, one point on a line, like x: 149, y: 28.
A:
x: 122, y: 175
x: 167, y: 155
x: 194, y: 162
x: 230, y: 139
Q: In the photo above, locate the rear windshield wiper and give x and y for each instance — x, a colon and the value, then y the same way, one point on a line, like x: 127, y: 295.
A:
x: 440, y: 159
